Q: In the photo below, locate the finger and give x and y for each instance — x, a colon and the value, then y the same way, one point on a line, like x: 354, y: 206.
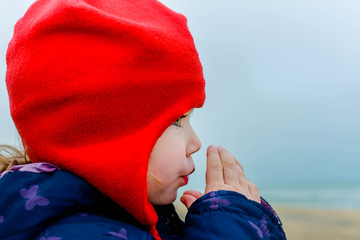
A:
x: 244, y: 187
x: 242, y: 177
x: 189, y: 197
x: 244, y: 184
x: 235, y: 159
x: 230, y: 168
x: 187, y: 200
x: 214, y: 169
x: 254, y: 191
x: 194, y: 193
x: 239, y: 164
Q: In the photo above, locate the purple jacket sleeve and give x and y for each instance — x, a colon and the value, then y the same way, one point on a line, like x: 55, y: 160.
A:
x: 230, y: 215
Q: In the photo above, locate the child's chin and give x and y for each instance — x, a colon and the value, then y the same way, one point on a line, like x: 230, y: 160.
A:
x: 165, y: 200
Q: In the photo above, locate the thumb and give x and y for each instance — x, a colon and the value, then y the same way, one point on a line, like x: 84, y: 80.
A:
x: 189, y: 197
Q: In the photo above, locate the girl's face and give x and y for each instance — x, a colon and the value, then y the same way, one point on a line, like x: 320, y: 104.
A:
x: 170, y: 162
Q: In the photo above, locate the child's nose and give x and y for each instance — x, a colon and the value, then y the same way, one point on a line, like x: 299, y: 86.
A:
x: 194, y: 144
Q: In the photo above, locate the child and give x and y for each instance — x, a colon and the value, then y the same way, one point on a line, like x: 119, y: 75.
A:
x: 101, y: 93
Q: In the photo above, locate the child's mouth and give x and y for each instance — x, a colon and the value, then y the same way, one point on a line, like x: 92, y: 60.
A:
x: 186, y: 179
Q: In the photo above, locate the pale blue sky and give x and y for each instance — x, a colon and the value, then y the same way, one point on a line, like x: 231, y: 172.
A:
x: 283, y: 84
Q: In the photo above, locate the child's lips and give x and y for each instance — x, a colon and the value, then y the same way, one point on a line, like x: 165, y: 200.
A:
x: 186, y: 179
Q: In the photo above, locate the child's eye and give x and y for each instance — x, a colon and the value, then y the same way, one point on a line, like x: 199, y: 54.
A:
x: 178, y: 121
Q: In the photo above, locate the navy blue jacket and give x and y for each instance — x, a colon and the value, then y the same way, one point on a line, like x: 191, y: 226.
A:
x: 57, y: 205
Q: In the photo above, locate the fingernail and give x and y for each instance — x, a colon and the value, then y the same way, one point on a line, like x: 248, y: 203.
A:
x: 219, y: 148
x: 212, y: 148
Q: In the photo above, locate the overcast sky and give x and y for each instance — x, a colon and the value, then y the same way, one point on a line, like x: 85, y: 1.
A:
x: 283, y: 82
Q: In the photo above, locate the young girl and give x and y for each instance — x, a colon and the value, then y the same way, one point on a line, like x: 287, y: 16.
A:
x: 101, y: 93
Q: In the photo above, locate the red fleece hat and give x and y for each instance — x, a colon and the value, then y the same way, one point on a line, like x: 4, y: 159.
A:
x: 94, y: 83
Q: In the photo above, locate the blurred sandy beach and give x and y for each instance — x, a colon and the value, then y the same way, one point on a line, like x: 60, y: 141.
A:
x: 310, y: 223
x: 313, y: 224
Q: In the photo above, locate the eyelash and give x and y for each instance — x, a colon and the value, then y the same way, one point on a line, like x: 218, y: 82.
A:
x: 177, y: 123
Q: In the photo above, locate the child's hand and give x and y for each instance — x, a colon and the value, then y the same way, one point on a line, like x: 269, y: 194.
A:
x: 224, y: 172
